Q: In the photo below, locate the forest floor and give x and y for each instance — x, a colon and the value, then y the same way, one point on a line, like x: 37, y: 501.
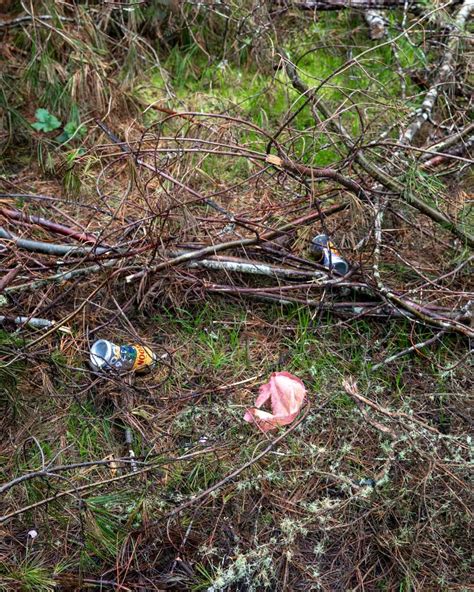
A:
x: 355, y: 495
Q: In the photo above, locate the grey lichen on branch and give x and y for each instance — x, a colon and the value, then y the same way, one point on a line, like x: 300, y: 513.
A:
x: 378, y: 174
x: 357, y: 4
x: 376, y: 23
x: 443, y: 75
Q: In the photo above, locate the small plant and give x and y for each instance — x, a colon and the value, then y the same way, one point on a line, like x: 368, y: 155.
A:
x: 72, y: 129
x: 45, y: 121
x: 30, y: 575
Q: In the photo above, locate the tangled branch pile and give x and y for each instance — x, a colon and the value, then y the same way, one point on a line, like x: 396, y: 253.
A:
x: 375, y: 203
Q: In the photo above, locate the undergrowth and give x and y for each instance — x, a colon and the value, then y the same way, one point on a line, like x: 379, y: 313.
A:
x: 338, y: 500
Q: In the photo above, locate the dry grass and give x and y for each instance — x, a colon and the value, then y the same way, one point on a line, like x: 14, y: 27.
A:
x: 363, y: 493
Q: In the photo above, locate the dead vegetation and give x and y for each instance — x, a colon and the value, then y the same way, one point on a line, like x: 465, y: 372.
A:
x: 166, y: 166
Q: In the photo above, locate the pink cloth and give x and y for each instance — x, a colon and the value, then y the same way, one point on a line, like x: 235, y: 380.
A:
x: 286, y: 394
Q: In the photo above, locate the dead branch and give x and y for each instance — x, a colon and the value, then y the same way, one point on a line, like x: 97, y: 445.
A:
x: 373, y: 170
x: 21, y: 20
x: 353, y: 4
x: 443, y: 73
x: 48, y: 225
x: 403, y: 418
x: 231, y: 476
x: 245, y: 242
x: 51, y: 248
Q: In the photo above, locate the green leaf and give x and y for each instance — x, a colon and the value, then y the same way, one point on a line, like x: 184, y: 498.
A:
x: 42, y: 114
x: 63, y: 137
x: 72, y: 129
x: 53, y: 123
x: 45, y: 121
x: 38, y: 126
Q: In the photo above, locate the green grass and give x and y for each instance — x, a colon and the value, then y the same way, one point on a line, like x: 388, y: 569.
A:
x: 224, y: 86
x: 218, y: 345
x: 30, y: 575
x: 110, y: 517
x: 11, y: 373
x: 89, y: 431
x: 320, y: 355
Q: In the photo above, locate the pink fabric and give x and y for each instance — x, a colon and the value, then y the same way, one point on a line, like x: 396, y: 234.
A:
x: 286, y: 394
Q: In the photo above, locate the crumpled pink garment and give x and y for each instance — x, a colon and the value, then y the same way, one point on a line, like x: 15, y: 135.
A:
x: 286, y: 393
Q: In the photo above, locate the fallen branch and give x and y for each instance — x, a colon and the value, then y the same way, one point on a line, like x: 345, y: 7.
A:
x: 354, y: 310
x: 71, y: 492
x: 256, y: 268
x: 467, y: 313
x: 59, y: 278
x: 443, y: 73
x: 235, y: 244
x: 21, y: 20
x: 374, y: 171
x: 404, y: 418
x: 8, y: 278
x: 50, y: 471
x: 230, y: 477
x: 412, y: 307
x: 317, y: 173
x: 51, y: 248
x: 74, y: 490
x: 457, y: 150
x: 351, y: 389
x: 447, y: 143
x: 354, y: 4
x: 48, y: 225
x: 33, y: 322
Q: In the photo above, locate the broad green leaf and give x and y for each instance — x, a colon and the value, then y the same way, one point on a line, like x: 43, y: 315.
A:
x: 46, y: 122
x: 39, y: 127
x: 42, y: 114
x: 71, y: 130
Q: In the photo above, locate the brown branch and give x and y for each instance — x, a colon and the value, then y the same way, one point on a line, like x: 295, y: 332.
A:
x: 72, y: 491
x: 235, y: 244
x: 351, y: 389
x: 48, y: 225
x: 317, y: 173
x: 373, y: 170
x: 8, y: 278
x: 21, y: 20
x: 444, y: 73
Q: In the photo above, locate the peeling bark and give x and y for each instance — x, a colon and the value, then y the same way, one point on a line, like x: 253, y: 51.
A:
x: 444, y: 74
x: 376, y: 23
x: 355, y: 4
